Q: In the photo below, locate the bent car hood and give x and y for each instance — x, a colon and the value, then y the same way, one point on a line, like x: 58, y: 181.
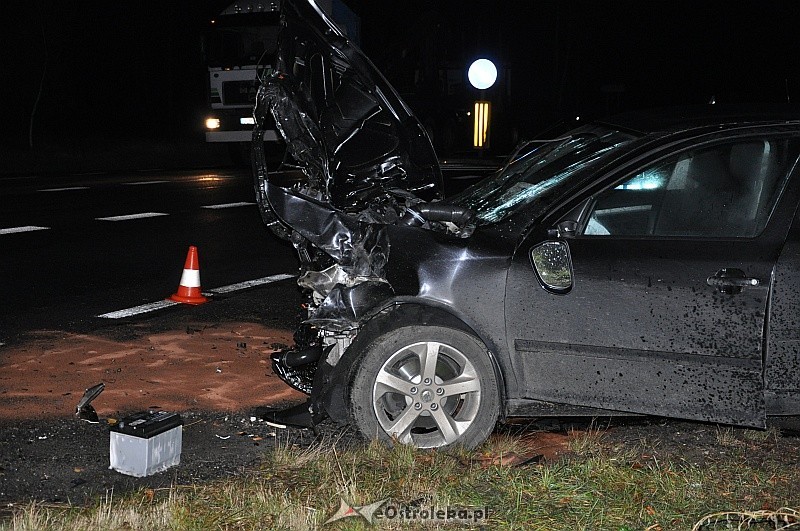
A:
x: 342, y: 121
x: 366, y: 163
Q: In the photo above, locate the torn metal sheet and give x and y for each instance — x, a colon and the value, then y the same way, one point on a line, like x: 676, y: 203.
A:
x: 343, y: 123
x: 360, y: 248
x: 345, y: 307
x: 297, y: 366
x: 84, y: 410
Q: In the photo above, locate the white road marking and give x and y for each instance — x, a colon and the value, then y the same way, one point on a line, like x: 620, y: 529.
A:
x: 249, y: 284
x: 152, y: 306
x: 229, y: 205
x: 64, y: 189
x: 136, y: 310
x: 26, y: 228
x: 133, y: 216
x: 139, y: 183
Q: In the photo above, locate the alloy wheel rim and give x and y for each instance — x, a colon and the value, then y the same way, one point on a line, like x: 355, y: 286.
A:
x: 426, y: 394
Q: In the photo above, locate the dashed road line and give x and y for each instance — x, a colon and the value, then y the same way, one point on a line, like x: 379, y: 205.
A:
x: 64, y: 189
x: 158, y: 305
x: 229, y: 205
x: 140, y: 183
x: 133, y: 216
x: 26, y: 228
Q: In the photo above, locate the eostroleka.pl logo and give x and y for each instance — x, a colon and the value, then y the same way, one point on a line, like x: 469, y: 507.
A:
x: 387, y: 510
x: 366, y: 511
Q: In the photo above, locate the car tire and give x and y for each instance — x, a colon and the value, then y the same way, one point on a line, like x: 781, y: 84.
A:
x: 426, y: 386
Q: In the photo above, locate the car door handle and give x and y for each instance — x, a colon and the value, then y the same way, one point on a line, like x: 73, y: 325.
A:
x: 731, y: 281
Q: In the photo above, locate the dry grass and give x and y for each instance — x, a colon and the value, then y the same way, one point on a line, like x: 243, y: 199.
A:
x: 596, y: 487
x: 783, y: 518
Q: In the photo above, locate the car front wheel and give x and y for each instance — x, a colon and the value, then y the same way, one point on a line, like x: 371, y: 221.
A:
x: 427, y: 386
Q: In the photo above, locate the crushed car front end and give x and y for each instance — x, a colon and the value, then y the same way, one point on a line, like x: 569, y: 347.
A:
x: 403, y: 329
x: 365, y: 169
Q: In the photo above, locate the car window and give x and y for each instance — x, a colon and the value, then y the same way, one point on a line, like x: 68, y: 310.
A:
x: 728, y: 190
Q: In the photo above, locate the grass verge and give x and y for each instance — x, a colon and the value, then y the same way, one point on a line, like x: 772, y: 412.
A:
x: 594, y: 485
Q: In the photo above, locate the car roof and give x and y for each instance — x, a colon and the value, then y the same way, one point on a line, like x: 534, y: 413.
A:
x: 676, y: 119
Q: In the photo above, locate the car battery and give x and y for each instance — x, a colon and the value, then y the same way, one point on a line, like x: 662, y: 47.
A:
x: 146, y: 443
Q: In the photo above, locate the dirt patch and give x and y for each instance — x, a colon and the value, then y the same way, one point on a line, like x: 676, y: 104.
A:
x: 221, y: 367
x: 215, y: 375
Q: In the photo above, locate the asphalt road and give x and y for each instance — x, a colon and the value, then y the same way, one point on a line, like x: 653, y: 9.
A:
x: 76, y: 247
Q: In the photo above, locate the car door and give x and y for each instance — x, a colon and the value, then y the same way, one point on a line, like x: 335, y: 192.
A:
x: 663, y: 310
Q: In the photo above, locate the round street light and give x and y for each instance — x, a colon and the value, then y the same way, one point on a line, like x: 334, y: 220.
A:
x: 482, y: 74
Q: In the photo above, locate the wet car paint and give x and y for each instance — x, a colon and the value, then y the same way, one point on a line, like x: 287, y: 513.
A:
x: 782, y: 362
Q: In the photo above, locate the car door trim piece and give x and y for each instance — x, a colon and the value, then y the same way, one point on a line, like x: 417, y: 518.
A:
x: 631, y: 354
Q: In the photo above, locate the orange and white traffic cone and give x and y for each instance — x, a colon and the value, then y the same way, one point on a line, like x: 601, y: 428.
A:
x: 189, y: 288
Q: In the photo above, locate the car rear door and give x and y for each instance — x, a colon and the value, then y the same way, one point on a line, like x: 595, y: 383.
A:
x: 670, y: 283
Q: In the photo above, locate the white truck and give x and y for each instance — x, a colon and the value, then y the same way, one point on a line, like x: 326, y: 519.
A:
x: 239, y: 49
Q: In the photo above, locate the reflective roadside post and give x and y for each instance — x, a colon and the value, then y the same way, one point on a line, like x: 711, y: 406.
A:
x: 482, y: 74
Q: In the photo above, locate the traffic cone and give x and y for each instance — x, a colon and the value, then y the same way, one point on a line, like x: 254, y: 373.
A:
x: 189, y: 288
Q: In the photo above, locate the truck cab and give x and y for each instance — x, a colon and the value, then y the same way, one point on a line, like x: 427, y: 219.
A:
x: 239, y: 49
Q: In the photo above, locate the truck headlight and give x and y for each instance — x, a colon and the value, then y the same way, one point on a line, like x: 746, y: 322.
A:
x: 212, y: 123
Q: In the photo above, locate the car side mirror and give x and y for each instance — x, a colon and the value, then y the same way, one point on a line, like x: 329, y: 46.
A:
x: 553, y: 265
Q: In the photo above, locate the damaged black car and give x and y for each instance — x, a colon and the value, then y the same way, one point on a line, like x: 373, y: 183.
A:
x: 648, y: 264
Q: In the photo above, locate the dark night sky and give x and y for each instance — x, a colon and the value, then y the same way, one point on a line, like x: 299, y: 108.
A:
x: 132, y: 68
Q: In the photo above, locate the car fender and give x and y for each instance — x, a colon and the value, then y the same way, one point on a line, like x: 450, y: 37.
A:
x: 330, y: 394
